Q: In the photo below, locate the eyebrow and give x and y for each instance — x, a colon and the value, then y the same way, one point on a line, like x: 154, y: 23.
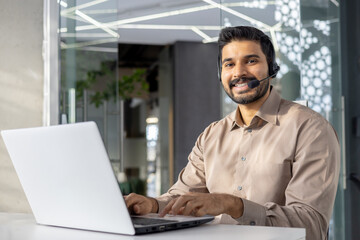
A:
x: 246, y: 57
x: 226, y: 60
x: 252, y: 56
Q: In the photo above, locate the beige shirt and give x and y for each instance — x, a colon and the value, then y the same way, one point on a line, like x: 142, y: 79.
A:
x: 284, y: 165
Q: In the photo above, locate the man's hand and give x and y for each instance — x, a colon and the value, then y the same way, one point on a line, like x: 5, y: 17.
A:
x: 140, y: 205
x: 200, y: 204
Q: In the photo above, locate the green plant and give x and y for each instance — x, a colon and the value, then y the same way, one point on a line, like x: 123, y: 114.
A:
x: 128, y: 86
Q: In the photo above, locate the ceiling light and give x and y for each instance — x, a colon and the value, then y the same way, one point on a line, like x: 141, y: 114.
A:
x: 200, y: 33
x: 273, y: 37
x: 214, y: 39
x: 69, y: 10
x: 89, y: 43
x: 149, y: 17
x: 144, y: 26
x: 251, y: 4
x: 240, y: 15
x: 167, y: 27
x: 96, y: 23
x: 152, y: 120
x: 335, y: 2
x: 100, y: 49
x: 100, y: 11
x: 62, y: 3
x: 84, y: 35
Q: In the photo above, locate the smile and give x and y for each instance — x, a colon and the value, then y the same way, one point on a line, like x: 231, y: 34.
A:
x: 240, y: 84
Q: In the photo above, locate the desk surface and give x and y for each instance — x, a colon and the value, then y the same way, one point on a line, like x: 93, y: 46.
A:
x: 14, y: 226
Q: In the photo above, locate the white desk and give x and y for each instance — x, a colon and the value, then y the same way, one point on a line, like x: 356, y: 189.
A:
x: 15, y: 226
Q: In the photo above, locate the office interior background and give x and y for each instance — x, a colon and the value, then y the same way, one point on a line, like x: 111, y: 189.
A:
x: 145, y: 72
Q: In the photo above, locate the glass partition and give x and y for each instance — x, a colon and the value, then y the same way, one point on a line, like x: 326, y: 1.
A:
x: 89, y: 72
x: 117, y: 70
x: 305, y: 35
x: 321, y: 82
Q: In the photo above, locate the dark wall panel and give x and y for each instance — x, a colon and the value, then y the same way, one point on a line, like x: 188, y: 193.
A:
x: 350, y: 49
x: 196, y: 96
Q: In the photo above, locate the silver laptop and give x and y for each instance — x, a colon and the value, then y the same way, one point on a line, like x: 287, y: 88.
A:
x: 69, y: 181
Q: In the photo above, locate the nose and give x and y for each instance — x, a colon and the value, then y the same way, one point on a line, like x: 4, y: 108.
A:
x: 239, y: 71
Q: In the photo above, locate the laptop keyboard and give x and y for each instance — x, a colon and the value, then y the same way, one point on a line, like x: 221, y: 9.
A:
x: 149, y: 221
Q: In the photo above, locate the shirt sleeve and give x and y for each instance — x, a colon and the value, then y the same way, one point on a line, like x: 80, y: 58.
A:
x: 310, y: 194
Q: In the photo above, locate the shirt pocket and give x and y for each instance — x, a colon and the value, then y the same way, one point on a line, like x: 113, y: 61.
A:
x: 269, y: 182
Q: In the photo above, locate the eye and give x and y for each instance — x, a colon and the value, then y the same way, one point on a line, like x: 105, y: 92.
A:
x: 228, y: 64
x: 252, y: 61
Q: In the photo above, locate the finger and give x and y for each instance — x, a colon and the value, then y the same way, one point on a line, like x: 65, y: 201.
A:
x: 181, y: 210
x: 137, y: 208
x: 132, y: 199
x: 167, y: 208
x: 180, y: 203
x: 200, y: 212
x: 143, y: 206
x: 133, y: 203
x: 191, y: 208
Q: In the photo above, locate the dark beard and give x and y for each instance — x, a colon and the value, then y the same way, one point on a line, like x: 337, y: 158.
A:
x: 259, y: 93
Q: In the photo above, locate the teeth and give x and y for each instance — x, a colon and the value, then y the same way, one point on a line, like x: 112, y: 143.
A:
x: 240, y: 85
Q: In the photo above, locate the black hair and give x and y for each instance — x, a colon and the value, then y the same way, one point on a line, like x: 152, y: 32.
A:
x: 239, y: 33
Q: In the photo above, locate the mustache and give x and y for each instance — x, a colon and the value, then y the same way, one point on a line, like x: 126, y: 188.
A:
x: 235, y: 81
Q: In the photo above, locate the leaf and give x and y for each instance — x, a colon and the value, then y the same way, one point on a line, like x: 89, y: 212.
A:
x: 123, y: 87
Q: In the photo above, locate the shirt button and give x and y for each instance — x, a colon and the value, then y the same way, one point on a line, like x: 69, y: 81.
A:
x: 239, y: 188
x: 249, y: 130
x: 252, y: 223
x: 243, y: 158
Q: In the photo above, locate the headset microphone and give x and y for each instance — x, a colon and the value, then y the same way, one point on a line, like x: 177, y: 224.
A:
x: 254, y: 83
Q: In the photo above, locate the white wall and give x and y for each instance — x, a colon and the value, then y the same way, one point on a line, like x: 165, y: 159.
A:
x: 21, y: 86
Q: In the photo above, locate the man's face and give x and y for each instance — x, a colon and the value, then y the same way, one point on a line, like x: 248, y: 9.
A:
x: 243, y: 61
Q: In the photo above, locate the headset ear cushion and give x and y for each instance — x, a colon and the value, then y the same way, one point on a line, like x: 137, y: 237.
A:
x: 276, y: 69
x: 273, y: 69
x: 219, y: 68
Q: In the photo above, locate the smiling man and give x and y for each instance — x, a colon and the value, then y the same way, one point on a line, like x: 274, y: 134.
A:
x: 271, y: 162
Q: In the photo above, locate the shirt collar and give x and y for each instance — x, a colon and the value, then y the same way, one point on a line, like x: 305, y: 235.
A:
x: 267, y: 112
